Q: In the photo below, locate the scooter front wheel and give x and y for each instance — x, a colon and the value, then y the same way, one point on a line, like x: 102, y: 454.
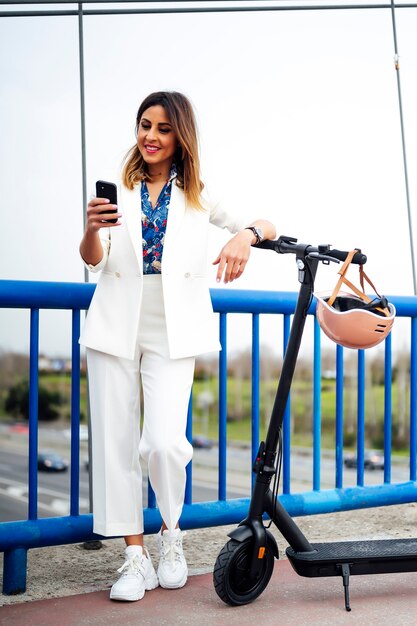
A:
x: 232, y: 580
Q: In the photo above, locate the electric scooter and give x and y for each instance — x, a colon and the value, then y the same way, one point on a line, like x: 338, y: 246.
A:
x: 245, y: 564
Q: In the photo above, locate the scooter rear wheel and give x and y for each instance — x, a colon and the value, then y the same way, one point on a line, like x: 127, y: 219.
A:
x: 232, y: 580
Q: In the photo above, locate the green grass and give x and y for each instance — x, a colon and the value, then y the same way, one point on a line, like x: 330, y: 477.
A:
x: 239, y: 396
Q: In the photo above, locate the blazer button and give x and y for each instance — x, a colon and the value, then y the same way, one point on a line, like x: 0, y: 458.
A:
x: 117, y: 274
x: 187, y: 275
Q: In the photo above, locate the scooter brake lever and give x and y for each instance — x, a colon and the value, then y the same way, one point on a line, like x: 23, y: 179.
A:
x: 322, y: 257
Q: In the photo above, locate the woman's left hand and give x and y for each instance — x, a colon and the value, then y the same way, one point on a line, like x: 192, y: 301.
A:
x: 234, y: 256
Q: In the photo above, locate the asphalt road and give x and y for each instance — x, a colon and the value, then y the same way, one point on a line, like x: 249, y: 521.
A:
x: 54, y: 488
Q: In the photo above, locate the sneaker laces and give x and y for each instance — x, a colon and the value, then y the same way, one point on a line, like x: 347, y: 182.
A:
x: 133, y: 565
x: 171, y: 550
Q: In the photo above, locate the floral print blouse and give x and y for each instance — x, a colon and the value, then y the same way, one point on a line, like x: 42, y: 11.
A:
x: 154, y: 221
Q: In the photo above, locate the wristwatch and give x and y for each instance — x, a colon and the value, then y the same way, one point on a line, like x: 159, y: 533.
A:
x: 257, y: 232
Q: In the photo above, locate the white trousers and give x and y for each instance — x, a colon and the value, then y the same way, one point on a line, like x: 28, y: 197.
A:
x: 114, y: 389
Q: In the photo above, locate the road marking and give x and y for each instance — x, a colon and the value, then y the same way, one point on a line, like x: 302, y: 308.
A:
x: 56, y: 506
x: 25, y: 500
x: 16, y: 491
x: 19, y: 491
x: 41, y: 490
x: 60, y: 506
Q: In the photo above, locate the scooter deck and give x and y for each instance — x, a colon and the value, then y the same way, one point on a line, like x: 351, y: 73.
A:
x: 381, y: 556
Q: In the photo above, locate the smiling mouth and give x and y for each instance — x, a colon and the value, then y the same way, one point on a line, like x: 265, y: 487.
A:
x: 151, y: 148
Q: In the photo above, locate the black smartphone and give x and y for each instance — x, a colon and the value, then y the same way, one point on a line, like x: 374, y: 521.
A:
x: 109, y: 191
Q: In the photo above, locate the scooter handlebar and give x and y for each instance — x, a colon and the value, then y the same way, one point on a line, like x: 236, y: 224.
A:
x: 286, y: 245
x: 359, y: 258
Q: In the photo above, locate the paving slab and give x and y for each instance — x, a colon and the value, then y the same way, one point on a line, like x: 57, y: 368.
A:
x: 289, y: 599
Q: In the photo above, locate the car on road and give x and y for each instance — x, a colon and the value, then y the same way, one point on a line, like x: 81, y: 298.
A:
x: 51, y: 462
x: 373, y: 460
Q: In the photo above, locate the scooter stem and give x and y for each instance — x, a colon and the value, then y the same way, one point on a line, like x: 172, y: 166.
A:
x: 262, y: 498
x: 307, y: 268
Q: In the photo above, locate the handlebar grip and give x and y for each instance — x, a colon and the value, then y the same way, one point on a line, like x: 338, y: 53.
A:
x: 267, y: 244
x: 358, y: 258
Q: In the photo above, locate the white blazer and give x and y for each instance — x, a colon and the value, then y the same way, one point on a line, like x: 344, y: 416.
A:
x: 113, y: 317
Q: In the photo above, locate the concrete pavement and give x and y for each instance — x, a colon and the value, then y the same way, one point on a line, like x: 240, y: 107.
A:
x: 289, y: 599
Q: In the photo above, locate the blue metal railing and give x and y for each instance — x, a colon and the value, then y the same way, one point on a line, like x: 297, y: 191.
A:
x: 17, y: 537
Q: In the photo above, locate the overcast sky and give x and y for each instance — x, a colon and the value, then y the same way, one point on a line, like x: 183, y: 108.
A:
x: 298, y: 118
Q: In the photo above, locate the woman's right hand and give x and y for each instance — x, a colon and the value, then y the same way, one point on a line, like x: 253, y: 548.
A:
x: 91, y: 248
x: 97, y: 214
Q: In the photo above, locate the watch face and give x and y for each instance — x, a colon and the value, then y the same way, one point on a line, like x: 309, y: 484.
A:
x: 259, y: 233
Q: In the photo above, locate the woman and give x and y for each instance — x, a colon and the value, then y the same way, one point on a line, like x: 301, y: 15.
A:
x: 150, y: 316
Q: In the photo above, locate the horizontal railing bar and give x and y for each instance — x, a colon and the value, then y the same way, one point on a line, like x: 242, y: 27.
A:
x: 73, y: 529
x: 203, y: 9
x: 23, y: 2
x: 25, y: 294
x: 175, y: 2
x: 348, y: 498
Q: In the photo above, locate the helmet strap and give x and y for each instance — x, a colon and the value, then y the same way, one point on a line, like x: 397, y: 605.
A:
x: 362, y: 277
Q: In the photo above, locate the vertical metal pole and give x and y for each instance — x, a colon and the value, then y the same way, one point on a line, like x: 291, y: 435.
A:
x: 82, y: 116
x: 255, y: 389
x: 286, y: 439
x: 413, y: 400
x: 14, y: 571
x: 222, y: 406
x: 84, y: 195
x: 188, y: 499
x: 33, y: 414
x: 387, y: 410
x: 339, y: 416
x: 360, y: 453
x: 75, y: 415
x: 316, y: 407
x: 407, y: 190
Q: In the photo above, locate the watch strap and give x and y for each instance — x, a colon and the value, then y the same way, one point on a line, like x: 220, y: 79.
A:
x: 255, y: 232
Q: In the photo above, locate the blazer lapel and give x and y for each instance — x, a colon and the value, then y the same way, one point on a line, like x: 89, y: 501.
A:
x: 132, y: 214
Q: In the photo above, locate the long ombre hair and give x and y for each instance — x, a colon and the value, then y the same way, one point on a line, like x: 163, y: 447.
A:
x: 186, y: 158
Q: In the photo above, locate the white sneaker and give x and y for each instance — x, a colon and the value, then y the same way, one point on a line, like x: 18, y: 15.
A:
x: 172, y: 568
x: 137, y: 576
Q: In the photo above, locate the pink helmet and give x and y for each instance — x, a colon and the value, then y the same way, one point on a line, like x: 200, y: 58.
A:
x: 353, y: 320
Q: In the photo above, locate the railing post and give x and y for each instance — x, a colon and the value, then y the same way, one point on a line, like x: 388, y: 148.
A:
x: 413, y: 400
x: 222, y: 406
x: 316, y: 407
x: 387, y: 409
x: 286, y: 429
x: 33, y: 414
x: 189, y: 469
x: 360, y: 443
x: 339, y: 416
x: 75, y: 415
x: 14, y: 571
x: 255, y: 390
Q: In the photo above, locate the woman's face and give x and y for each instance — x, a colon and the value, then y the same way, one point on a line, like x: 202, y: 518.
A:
x: 157, y: 140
